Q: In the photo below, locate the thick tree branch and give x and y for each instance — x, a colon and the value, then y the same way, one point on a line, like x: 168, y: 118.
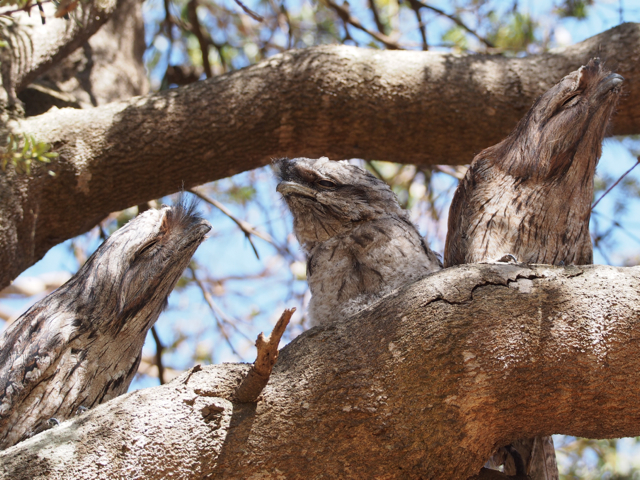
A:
x: 34, y: 48
x: 343, y: 102
x: 424, y: 383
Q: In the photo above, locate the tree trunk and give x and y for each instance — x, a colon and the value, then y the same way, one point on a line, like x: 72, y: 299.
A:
x: 423, y: 384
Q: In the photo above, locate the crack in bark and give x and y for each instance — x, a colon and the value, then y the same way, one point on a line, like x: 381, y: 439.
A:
x: 406, y: 384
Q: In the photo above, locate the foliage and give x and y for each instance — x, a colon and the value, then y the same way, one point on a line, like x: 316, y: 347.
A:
x: 22, y: 151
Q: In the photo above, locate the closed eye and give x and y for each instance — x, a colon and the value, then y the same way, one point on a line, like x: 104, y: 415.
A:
x: 326, y: 184
x: 148, y: 246
x: 571, y: 101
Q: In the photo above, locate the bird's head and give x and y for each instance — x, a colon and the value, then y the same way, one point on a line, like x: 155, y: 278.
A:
x: 564, y: 127
x: 328, y: 198
x: 136, y: 268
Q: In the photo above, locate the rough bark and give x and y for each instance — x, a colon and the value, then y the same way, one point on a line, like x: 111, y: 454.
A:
x: 333, y: 100
x: 422, y: 384
x: 34, y: 48
x: 106, y: 68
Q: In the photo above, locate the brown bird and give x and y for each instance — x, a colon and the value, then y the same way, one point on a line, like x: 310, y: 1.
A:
x: 530, y: 196
x: 360, y: 243
x: 81, y: 345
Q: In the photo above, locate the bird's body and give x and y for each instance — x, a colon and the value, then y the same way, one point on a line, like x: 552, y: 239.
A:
x: 530, y: 196
x: 360, y: 243
x: 81, y: 345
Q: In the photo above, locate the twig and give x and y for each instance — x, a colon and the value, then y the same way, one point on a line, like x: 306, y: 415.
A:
x: 215, y: 309
x: 344, y: 14
x: 376, y: 17
x: 285, y: 12
x: 456, y: 20
x: 204, y: 43
x: 616, y: 183
x: 26, y: 8
x: 258, y: 376
x: 458, y: 171
x: 159, y: 349
x: 167, y: 25
x: 249, y: 12
x: 423, y: 32
x: 41, y: 10
x: 375, y: 171
x: 246, y: 228
x: 617, y: 224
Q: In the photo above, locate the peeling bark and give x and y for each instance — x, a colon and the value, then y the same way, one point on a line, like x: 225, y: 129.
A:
x: 423, y: 384
x: 333, y: 100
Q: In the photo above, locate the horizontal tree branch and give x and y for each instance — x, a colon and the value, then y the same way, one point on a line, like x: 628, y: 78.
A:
x: 423, y: 384
x: 338, y: 101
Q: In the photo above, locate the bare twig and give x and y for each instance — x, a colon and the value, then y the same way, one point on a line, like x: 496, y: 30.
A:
x: 455, y: 20
x: 423, y: 31
x: 196, y: 28
x: 617, y: 224
x: 457, y: 171
x: 616, y: 183
x: 148, y: 367
x: 246, y: 227
x: 376, y: 17
x: 159, y: 349
x: 257, y: 378
x: 375, y: 170
x: 214, y: 309
x: 26, y: 8
x: 249, y: 12
x: 343, y: 13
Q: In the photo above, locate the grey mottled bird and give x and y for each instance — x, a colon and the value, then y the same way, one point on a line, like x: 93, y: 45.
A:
x: 81, y: 345
x: 530, y: 196
x: 360, y: 243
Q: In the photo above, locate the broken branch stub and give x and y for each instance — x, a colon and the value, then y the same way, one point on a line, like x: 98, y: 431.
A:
x: 257, y: 378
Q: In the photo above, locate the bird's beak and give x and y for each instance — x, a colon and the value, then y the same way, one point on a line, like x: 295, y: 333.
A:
x: 609, y: 83
x: 293, y: 188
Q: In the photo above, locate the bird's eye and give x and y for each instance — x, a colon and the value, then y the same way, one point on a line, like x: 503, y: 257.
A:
x: 148, y: 246
x: 326, y: 184
x: 571, y: 101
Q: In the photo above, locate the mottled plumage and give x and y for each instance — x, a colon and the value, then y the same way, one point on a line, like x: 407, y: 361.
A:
x: 530, y: 196
x: 360, y: 243
x: 81, y: 345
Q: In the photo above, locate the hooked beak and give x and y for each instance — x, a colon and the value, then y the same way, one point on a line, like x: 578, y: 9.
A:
x: 293, y: 188
x: 611, y: 82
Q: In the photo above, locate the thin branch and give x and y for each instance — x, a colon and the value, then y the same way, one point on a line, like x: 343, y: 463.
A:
x: 457, y: 171
x: 375, y: 170
x: 159, y: 349
x: 376, y: 17
x: 214, y: 309
x: 246, y: 227
x: 27, y: 9
x: 168, y: 22
x: 423, y: 31
x: 285, y: 12
x: 616, y: 183
x: 196, y: 29
x: 249, y: 12
x: 617, y: 224
x: 343, y: 13
x: 456, y: 20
